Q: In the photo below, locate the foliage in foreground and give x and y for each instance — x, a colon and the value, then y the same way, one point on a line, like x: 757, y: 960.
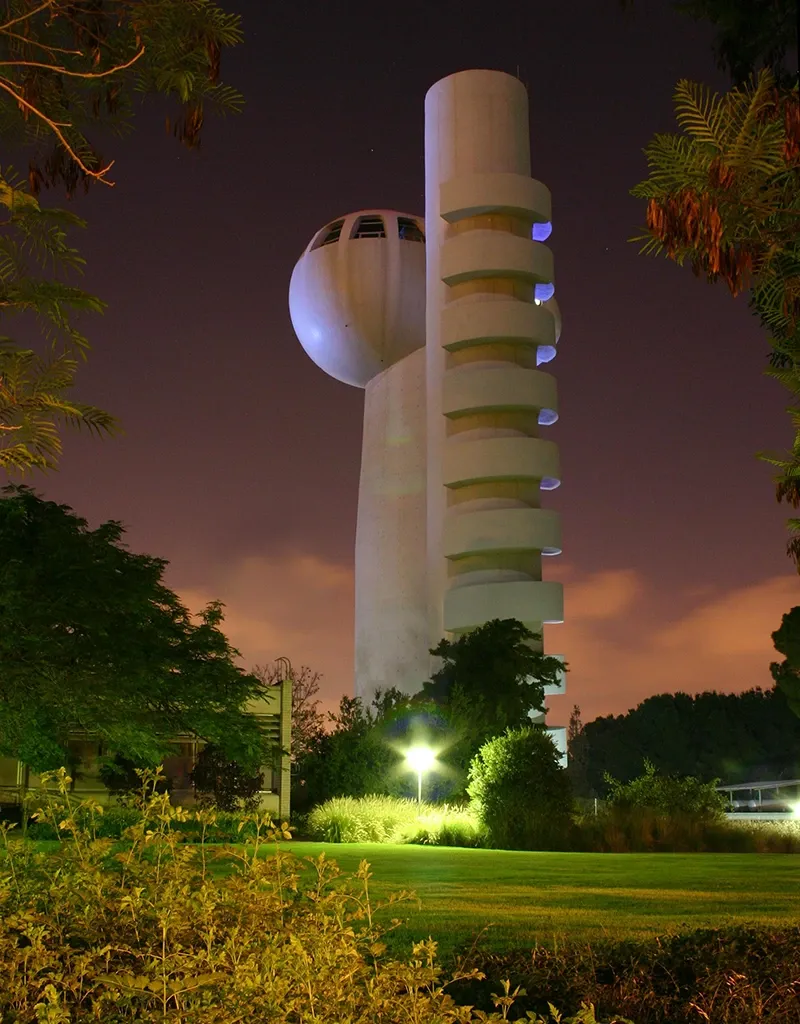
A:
x: 70, y: 69
x: 722, y: 195
x: 37, y: 268
x: 522, y: 795
x: 738, y: 975
x: 386, y: 819
x: 92, y: 641
x: 148, y: 934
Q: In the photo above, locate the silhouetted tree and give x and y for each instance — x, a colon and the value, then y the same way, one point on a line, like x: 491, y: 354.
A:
x: 230, y: 786
x: 734, y: 737
x: 787, y: 672
x: 359, y: 755
x: 91, y: 639
x: 490, y: 680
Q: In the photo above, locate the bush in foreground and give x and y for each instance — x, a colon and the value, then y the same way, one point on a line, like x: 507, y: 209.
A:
x: 522, y: 794
x: 737, y: 975
x: 670, y: 795
x: 643, y: 830
x: 148, y: 934
x: 385, y: 819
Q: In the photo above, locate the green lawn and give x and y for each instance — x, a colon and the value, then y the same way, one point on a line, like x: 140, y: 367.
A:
x: 521, y: 898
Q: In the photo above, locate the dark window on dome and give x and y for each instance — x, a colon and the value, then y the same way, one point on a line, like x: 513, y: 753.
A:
x: 409, y: 230
x: 329, y: 235
x: 369, y: 227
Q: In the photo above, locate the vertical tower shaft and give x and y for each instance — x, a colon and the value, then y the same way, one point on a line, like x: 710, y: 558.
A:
x: 391, y: 631
x: 487, y: 282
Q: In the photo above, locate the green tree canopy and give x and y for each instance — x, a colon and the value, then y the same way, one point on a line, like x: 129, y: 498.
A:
x: 668, y: 794
x: 490, y: 680
x: 750, y: 34
x: 724, y: 196
x: 786, y: 673
x: 91, y: 639
x: 522, y: 794
x: 70, y: 67
x: 70, y: 74
x: 355, y: 757
x: 37, y: 267
x: 737, y: 737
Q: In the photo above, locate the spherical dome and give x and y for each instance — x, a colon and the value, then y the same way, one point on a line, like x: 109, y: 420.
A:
x: 357, y: 295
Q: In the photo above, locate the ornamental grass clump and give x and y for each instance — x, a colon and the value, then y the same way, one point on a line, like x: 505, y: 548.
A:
x: 367, y: 819
x: 157, y: 930
x: 388, y: 819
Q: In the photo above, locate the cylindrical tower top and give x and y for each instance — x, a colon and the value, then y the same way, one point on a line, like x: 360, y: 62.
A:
x: 478, y: 120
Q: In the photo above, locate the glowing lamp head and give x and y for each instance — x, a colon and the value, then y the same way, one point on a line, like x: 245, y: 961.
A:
x: 357, y: 295
x: 420, y: 759
x: 795, y: 809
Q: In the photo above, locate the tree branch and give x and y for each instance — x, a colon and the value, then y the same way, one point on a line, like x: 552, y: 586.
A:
x: 56, y: 127
x: 72, y: 74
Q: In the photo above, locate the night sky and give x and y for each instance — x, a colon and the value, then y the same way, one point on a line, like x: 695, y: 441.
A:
x: 240, y: 458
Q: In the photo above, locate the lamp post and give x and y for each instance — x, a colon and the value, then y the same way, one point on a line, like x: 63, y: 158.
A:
x: 420, y: 760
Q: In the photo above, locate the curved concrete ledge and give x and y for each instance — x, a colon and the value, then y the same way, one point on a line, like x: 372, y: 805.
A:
x: 560, y: 686
x: 515, y: 195
x: 501, y: 529
x: 489, y: 320
x: 471, y: 388
x: 530, y: 601
x: 501, y: 458
x: 482, y: 254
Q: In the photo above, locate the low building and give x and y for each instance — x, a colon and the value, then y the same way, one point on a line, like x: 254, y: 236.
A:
x: 273, y: 709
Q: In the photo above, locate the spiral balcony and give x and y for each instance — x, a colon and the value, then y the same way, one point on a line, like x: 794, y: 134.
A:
x: 482, y: 254
x: 501, y: 529
x: 474, y: 388
x: 532, y: 602
x: 501, y: 458
x: 515, y: 195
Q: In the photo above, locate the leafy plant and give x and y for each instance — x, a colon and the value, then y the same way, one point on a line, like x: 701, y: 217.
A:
x: 386, y: 819
x: 69, y: 68
x: 37, y: 264
x: 786, y: 673
x: 91, y: 640
x: 736, y: 975
x: 669, y: 794
x: 724, y: 196
x: 490, y: 680
x: 224, y: 781
x: 353, y: 758
x: 151, y: 933
x: 522, y: 795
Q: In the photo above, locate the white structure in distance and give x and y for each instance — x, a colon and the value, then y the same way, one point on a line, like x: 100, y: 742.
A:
x: 446, y: 335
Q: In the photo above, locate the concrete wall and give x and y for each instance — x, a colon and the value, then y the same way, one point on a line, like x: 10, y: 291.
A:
x: 391, y: 643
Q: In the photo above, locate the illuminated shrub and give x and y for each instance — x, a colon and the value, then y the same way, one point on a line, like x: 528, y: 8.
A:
x: 385, y: 819
x: 521, y: 793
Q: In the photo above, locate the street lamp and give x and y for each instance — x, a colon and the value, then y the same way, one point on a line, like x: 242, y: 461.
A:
x: 420, y: 759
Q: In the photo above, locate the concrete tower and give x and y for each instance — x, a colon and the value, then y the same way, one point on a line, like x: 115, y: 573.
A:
x: 357, y: 302
x: 490, y: 322
x: 446, y: 339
